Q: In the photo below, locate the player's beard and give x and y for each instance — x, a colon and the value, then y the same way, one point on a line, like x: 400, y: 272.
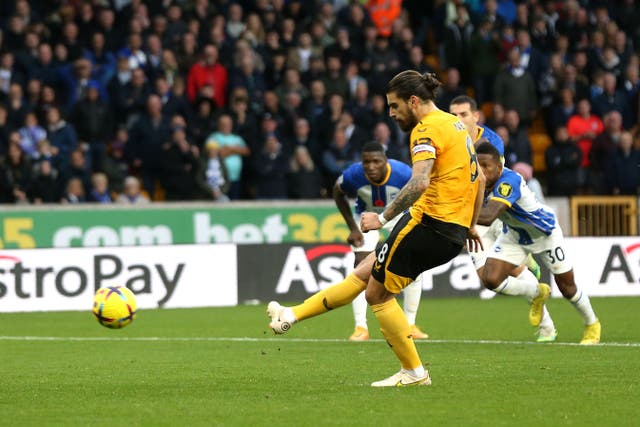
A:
x: 409, y: 124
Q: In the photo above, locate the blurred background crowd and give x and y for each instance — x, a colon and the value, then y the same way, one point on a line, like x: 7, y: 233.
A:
x: 130, y: 101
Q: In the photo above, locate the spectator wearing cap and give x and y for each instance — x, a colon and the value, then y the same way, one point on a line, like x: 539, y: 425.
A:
x: 232, y: 149
x: 208, y: 78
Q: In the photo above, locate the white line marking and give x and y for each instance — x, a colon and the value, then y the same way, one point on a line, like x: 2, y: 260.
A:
x: 301, y: 340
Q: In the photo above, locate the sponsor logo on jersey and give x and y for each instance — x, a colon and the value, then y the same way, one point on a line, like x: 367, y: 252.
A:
x: 505, y: 189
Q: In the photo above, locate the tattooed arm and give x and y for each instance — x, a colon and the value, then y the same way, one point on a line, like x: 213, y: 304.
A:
x: 420, y: 179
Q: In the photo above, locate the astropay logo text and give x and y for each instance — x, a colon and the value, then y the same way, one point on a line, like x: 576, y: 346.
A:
x: 69, y: 279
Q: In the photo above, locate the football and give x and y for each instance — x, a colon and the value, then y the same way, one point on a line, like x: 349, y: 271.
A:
x: 114, y: 307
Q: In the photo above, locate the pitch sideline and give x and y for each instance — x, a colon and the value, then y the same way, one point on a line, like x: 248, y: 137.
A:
x: 301, y: 340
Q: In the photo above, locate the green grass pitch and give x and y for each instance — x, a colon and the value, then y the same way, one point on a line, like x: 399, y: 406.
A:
x: 223, y: 367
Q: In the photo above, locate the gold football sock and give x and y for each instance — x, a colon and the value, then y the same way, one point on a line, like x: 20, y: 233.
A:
x: 333, y: 297
x: 395, y: 328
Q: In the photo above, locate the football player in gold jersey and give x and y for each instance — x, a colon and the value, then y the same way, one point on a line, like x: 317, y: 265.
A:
x: 443, y: 198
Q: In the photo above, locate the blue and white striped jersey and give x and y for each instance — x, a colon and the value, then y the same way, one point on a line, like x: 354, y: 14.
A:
x: 372, y: 197
x: 525, y: 214
x: 492, y: 137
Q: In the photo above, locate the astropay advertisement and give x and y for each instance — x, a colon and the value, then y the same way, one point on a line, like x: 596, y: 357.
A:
x: 159, y: 276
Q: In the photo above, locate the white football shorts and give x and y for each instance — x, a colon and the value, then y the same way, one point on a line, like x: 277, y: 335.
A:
x: 489, y: 235
x: 550, y: 248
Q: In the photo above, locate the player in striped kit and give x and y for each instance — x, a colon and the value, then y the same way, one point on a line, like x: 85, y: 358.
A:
x: 373, y: 182
x: 466, y: 109
x: 531, y: 228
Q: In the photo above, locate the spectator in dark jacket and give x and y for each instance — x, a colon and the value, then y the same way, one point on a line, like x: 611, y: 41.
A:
x: 623, y: 171
x: 62, y: 137
x: 563, y: 163
x: 180, y: 167
x: 517, y: 147
x: 305, y: 180
x: 91, y: 117
x: 146, y: 137
x: 271, y: 168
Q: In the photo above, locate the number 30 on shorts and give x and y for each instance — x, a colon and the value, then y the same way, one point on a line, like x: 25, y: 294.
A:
x: 555, y: 255
x: 383, y: 253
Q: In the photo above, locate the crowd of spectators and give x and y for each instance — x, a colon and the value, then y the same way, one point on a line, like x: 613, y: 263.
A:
x: 127, y: 101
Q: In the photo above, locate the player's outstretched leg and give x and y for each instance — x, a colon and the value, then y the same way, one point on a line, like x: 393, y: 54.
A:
x: 282, y: 318
x: 412, y: 295
x: 361, y: 331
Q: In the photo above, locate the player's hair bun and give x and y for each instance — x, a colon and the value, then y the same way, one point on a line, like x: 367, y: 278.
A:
x: 430, y: 81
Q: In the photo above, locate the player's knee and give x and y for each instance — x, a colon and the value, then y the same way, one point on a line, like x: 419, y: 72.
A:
x: 491, y: 280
